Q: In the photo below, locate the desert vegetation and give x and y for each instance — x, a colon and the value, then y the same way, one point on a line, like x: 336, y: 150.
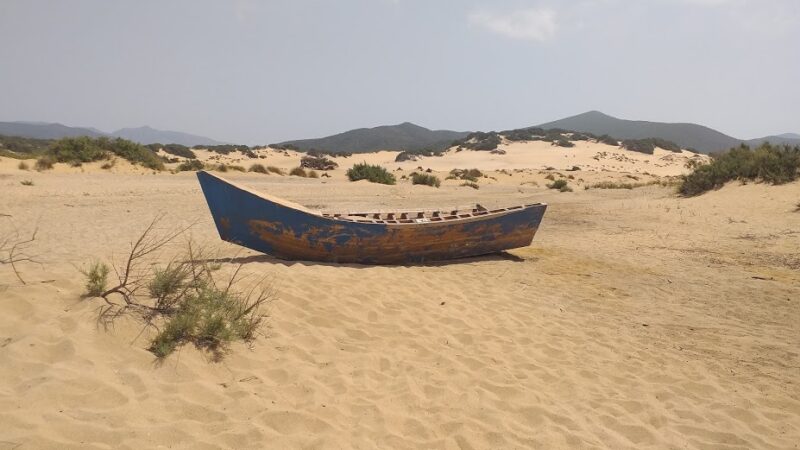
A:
x: 191, y: 165
x: 318, y: 163
x: 298, y: 172
x: 14, y: 246
x: 45, y: 162
x: 649, y: 145
x: 22, y: 147
x: 414, y: 154
x: 174, y: 149
x: 84, y: 149
x: 426, y: 179
x: 774, y: 164
x: 560, y: 185
x: 372, y: 173
x: 480, y: 140
x: 258, y: 168
x: 465, y: 174
x: 183, y: 301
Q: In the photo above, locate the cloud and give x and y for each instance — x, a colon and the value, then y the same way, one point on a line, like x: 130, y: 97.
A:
x: 531, y: 24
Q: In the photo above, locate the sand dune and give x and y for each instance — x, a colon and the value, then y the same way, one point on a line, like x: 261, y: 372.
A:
x: 635, y: 320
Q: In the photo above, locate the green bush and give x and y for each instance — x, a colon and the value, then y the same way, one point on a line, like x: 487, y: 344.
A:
x: 26, y: 182
x: 649, y: 145
x: 608, y: 140
x: 179, y: 150
x: 465, y: 174
x: 190, y: 166
x: 96, y: 278
x: 275, y: 170
x: 426, y: 179
x: 480, y: 141
x: 767, y: 163
x: 169, y: 285
x: 23, y: 166
x: 470, y: 184
x: 84, y: 149
x: 313, y: 174
x: 22, y: 146
x: 373, y: 173
x: 612, y: 185
x: 209, y: 317
x: 318, y: 163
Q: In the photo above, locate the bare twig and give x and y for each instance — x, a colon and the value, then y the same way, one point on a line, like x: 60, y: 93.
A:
x: 12, y: 250
x: 130, y: 274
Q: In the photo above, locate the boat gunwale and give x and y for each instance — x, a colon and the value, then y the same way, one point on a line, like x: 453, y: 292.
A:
x: 356, y: 218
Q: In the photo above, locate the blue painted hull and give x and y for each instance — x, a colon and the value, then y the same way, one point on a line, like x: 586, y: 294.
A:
x: 270, y: 226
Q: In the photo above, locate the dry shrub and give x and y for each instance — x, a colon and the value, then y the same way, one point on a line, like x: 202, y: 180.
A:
x: 182, y: 300
x: 44, y: 163
x: 14, y: 247
x: 258, y: 168
x: 298, y: 172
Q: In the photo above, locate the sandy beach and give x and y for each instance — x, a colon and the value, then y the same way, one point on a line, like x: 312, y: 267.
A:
x: 636, y: 319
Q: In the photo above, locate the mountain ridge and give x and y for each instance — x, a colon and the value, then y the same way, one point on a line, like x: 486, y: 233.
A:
x: 687, y: 135
x: 402, y: 136
x: 143, y: 135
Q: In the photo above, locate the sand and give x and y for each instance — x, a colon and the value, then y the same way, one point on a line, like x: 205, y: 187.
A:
x: 636, y: 319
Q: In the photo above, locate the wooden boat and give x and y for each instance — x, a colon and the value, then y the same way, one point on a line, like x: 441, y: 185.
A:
x: 290, y: 231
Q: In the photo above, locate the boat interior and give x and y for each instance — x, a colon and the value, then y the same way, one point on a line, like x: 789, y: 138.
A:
x: 419, y: 216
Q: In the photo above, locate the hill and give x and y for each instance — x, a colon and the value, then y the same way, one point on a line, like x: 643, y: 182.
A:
x: 147, y: 135
x: 405, y: 136
x: 687, y: 135
x: 142, y: 135
x: 40, y: 130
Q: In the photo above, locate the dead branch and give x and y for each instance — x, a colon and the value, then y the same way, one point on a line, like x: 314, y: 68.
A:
x: 131, y: 275
x: 13, y: 250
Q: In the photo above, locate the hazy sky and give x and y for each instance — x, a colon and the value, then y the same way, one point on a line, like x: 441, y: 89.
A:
x: 262, y: 71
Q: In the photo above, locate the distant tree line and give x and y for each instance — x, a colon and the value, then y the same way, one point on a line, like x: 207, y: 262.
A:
x: 774, y: 164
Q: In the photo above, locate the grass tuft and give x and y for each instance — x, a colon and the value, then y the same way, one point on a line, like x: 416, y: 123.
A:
x: 96, y: 278
x: 258, y: 168
x: 426, y: 179
x: 298, y: 172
